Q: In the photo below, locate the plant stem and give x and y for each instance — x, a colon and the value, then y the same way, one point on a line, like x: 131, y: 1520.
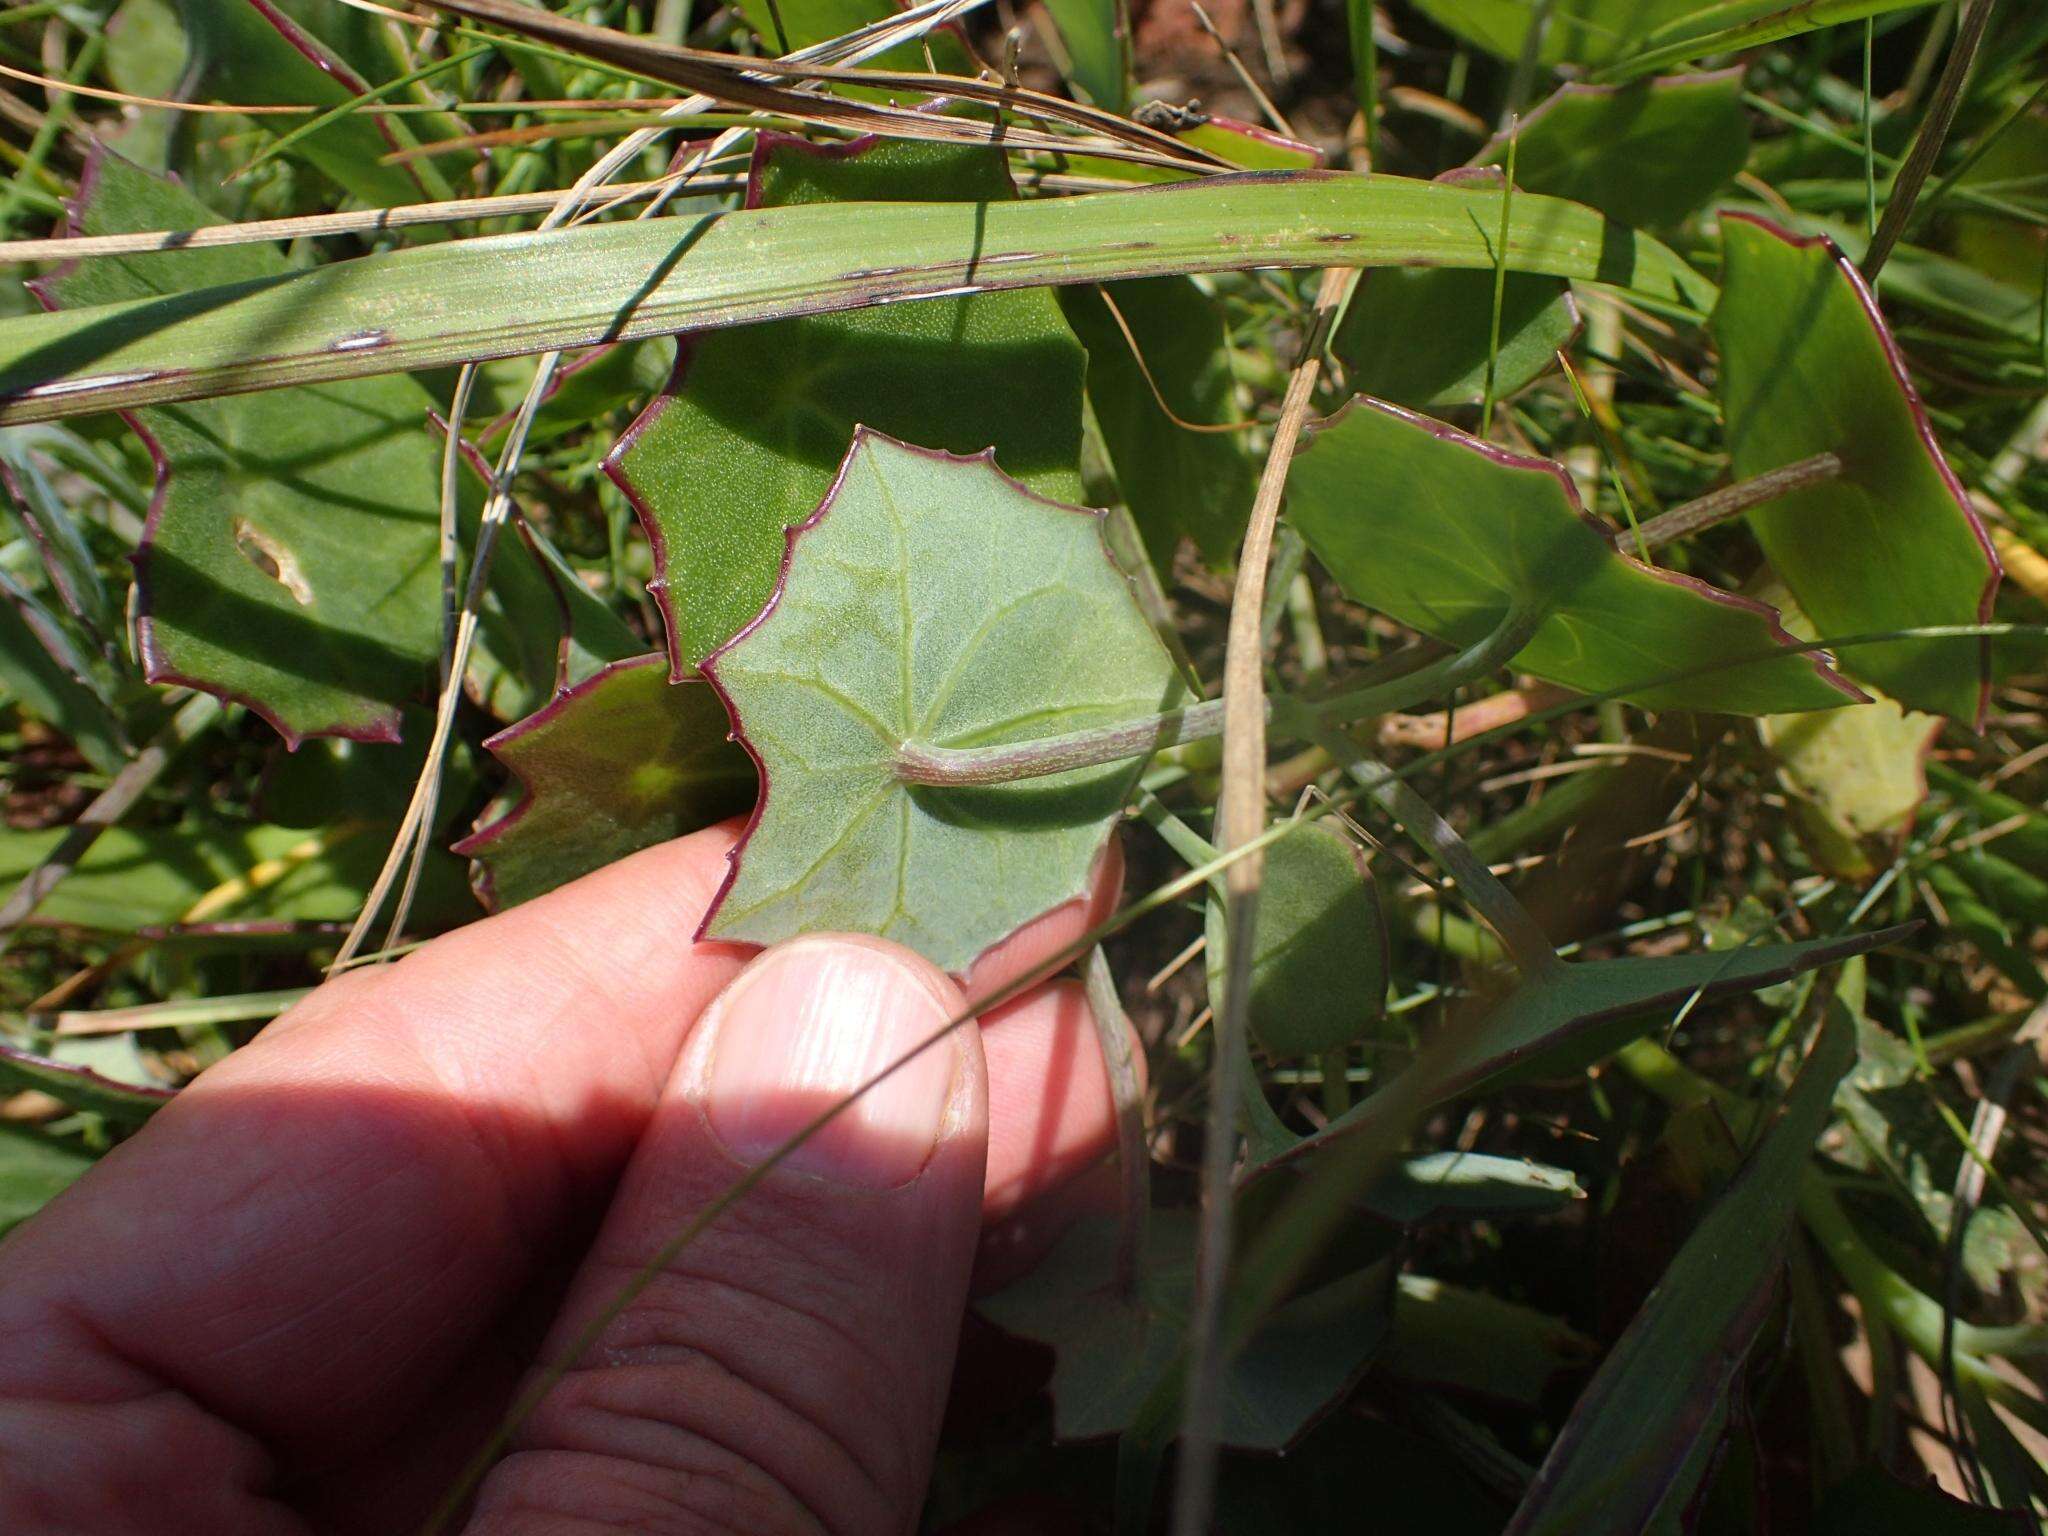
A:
x: 1941, y: 113
x: 1733, y: 500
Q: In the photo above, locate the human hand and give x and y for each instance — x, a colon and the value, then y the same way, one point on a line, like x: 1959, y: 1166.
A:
x: 306, y: 1292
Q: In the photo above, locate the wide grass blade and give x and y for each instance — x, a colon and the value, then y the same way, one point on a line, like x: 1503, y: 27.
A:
x: 505, y: 295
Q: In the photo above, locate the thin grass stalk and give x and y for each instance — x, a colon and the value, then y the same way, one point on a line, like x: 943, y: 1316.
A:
x: 1241, y: 821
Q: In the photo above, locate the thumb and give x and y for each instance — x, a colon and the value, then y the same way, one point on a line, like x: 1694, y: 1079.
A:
x: 788, y: 1371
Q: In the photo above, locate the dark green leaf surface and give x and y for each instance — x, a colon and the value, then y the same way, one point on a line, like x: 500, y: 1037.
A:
x: 1098, y: 60
x: 1807, y: 366
x: 1579, y: 1013
x: 1115, y: 1351
x: 288, y: 561
x: 1645, y: 154
x: 622, y: 761
x: 502, y: 295
x: 1447, y: 534
x: 1177, y: 483
x: 934, y: 602
x: 1419, y: 336
x: 1576, y: 31
x: 1639, y: 1422
x: 747, y: 438
x: 1319, y: 957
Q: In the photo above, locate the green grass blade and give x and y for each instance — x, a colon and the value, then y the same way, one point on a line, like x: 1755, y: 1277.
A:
x: 506, y: 295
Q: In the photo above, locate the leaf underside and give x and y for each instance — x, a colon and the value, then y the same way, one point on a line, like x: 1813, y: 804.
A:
x: 1808, y: 366
x: 1446, y: 534
x: 622, y: 761
x: 934, y: 601
x: 746, y: 439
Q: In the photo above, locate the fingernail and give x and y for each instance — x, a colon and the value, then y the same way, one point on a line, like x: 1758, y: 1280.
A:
x: 803, y: 1027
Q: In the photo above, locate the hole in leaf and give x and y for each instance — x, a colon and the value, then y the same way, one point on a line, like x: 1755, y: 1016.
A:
x: 272, y: 559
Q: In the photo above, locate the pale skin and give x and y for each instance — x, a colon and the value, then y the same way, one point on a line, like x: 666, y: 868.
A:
x: 305, y: 1292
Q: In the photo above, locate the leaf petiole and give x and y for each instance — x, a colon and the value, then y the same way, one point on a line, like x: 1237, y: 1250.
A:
x: 959, y: 767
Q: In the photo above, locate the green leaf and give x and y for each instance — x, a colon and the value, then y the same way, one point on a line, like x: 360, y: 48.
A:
x: 35, y: 1167
x: 250, y: 53
x: 1637, y: 1424
x: 1873, y: 1499
x: 1807, y: 366
x: 79, y: 1087
x: 745, y: 441
x: 2025, y: 843
x: 935, y: 602
x: 1245, y: 146
x: 1451, y: 1337
x: 1636, y: 37
x: 1575, y: 31
x: 1968, y: 915
x: 1177, y: 483
x: 1447, y: 533
x: 334, y: 780
x: 1319, y: 954
x: 1469, y: 1186
x: 288, y: 561
x: 1098, y: 58
x: 501, y: 295
x: 1420, y: 336
x: 622, y: 761
x: 1115, y: 1351
x: 1646, y: 154
x: 1577, y: 1014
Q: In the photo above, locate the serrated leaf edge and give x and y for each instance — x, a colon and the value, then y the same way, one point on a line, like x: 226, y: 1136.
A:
x: 708, y: 669
x: 1917, y: 408
x: 1508, y: 458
